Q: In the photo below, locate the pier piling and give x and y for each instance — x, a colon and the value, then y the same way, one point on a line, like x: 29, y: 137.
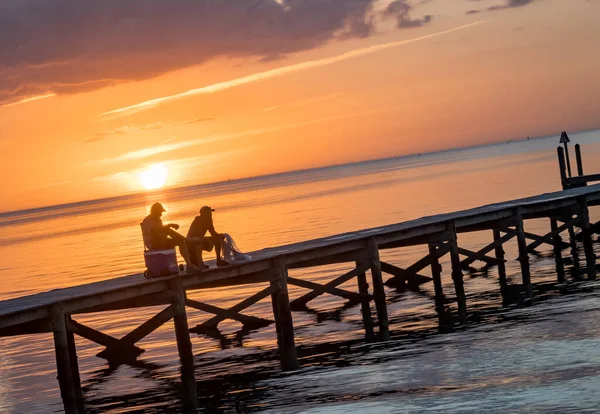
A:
x: 457, y: 277
x: 66, y: 362
x: 588, y: 247
x: 378, y: 291
x: 184, y: 347
x: 284, y: 323
x: 365, y: 305
x: 499, y: 253
x: 524, y: 257
x: 557, y: 249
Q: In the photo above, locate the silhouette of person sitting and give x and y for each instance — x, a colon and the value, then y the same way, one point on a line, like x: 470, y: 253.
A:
x: 163, y: 236
x: 199, y: 241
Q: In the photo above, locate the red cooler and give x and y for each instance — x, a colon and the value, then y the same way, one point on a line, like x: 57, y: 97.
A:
x: 161, y: 263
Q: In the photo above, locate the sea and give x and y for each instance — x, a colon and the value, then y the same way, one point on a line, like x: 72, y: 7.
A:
x: 511, y: 357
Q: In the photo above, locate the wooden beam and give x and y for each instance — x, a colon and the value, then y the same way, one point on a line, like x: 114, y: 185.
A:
x: 122, y: 350
x: 509, y: 234
x: 211, y: 324
x: 574, y: 251
x: 301, y: 302
x: 365, y: 306
x: 403, y: 277
x: 346, y: 294
x: 524, y: 259
x: 154, y: 299
x: 28, y: 328
x: 379, y: 292
x: 558, y: 260
x: 284, y: 323
x: 471, y: 255
x: 590, y: 256
x: 499, y: 252
x: 64, y: 362
x: 232, y: 312
x: 436, y: 272
x: 457, y: 278
x: 184, y: 347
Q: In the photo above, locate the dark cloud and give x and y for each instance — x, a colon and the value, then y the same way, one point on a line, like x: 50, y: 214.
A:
x: 508, y: 4
x: 401, y: 11
x: 67, y: 46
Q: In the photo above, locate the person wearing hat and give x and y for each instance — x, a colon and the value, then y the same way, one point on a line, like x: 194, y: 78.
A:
x: 198, y: 240
x: 159, y: 236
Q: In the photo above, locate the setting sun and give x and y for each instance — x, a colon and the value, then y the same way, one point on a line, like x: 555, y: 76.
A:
x: 154, y: 176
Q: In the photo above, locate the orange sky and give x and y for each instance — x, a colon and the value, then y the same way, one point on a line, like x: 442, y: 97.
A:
x: 520, y: 71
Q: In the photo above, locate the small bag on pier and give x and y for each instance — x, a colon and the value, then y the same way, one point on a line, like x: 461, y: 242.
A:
x: 231, y: 253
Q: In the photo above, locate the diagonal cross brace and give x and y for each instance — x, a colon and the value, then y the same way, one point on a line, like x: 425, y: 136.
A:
x: 304, y: 299
x: 539, y: 240
x: 122, y: 349
x: 481, y: 254
x: 473, y: 256
x: 327, y: 289
x: 410, y: 275
x: 233, y: 312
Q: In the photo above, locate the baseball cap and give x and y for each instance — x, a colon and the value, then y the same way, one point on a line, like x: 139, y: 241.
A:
x: 157, y: 207
x: 206, y: 209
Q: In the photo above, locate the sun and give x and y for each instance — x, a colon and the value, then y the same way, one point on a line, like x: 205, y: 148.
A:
x: 154, y: 177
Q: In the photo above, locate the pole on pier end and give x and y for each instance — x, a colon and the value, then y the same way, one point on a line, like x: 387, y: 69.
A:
x: 562, y: 167
x: 524, y: 256
x: 184, y: 346
x: 66, y: 362
x: 436, y: 274
x: 365, y: 306
x: 590, y: 256
x: 499, y: 252
x: 379, y: 291
x: 558, y: 260
x: 457, y: 277
x: 579, y: 160
x: 564, y: 139
x: 284, y: 323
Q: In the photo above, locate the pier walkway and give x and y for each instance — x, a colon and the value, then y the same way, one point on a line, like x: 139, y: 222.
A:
x: 55, y: 311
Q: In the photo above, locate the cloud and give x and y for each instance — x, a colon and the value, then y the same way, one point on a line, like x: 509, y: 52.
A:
x: 400, y: 10
x: 508, y: 4
x: 70, y: 46
x: 131, y: 129
x: 273, y: 73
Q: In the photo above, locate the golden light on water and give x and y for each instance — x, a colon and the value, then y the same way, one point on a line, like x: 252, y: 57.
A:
x: 154, y: 177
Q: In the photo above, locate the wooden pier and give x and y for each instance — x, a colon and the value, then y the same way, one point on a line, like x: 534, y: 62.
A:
x: 56, y: 311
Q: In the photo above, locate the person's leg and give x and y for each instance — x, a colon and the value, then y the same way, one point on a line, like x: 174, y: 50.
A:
x: 180, y: 242
x: 218, y: 241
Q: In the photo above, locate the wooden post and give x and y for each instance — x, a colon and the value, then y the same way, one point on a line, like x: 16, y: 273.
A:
x: 184, y: 346
x: 284, y: 323
x: 558, y: 260
x: 590, y: 256
x: 379, y: 292
x: 365, y: 306
x: 579, y: 160
x: 68, y: 382
x: 574, y: 251
x: 436, y: 274
x: 499, y: 252
x: 562, y: 168
x: 524, y: 257
x: 457, y: 277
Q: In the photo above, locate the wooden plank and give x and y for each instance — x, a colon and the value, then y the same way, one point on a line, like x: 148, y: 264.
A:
x: 304, y: 299
x: 346, y: 257
x: 154, y: 299
x: 29, y: 328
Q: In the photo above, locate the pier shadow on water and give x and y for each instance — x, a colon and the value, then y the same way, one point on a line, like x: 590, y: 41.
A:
x: 251, y: 382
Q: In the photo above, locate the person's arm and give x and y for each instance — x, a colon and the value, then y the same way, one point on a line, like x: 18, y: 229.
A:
x: 211, y: 229
x: 172, y: 226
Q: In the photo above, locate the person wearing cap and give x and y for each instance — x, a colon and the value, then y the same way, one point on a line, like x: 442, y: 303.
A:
x: 159, y: 236
x: 199, y: 241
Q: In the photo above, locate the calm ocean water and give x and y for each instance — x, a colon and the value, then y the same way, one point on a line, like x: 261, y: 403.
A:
x: 544, y: 358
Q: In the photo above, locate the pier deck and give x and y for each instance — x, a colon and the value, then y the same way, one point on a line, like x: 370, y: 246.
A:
x: 53, y: 311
